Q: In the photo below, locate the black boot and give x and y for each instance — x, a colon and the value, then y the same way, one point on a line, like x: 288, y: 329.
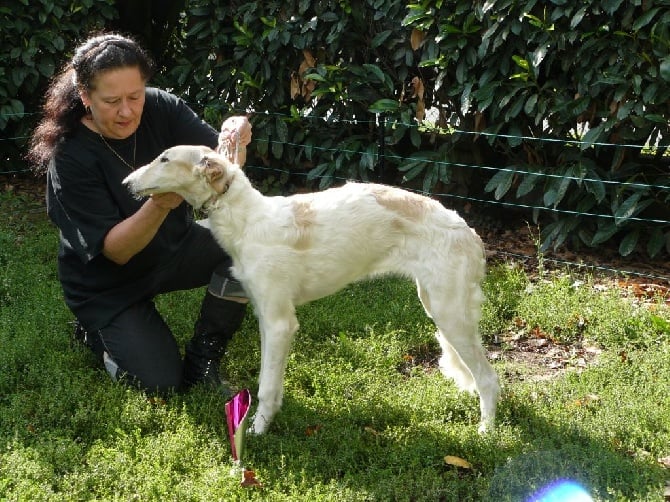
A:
x: 218, y: 321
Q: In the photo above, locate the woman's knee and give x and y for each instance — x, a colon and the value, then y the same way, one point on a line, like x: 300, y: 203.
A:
x: 139, y: 347
x: 162, y: 377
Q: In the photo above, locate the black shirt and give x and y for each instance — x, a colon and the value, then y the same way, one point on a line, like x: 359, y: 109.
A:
x: 85, y: 199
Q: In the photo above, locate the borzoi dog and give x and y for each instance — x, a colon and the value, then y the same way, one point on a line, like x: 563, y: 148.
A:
x: 287, y: 251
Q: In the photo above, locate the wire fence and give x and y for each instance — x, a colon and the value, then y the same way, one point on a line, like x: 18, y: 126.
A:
x: 378, y: 122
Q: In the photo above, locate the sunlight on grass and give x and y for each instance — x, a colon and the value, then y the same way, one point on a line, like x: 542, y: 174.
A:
x: 366, y: 416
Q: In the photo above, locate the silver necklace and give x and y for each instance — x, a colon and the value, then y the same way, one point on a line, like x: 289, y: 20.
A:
x: 132, y: 167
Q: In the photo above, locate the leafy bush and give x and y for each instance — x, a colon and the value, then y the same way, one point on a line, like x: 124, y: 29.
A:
x: 555, y: 106
x: 33, y: 43
x: 595, y: 71
x: 309, y: 71
x: 327, y: 79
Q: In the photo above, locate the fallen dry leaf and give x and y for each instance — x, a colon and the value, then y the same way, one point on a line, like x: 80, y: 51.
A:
x: 457, y: 461
x: 587, y: 400
x: 249, y: 480
x: 312, y: 429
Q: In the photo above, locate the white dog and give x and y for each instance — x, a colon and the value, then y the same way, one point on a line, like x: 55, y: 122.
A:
x: 288, y: 251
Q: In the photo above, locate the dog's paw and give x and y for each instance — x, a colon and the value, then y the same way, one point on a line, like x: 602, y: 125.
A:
x: 485, y: 427
x: 258, y: 426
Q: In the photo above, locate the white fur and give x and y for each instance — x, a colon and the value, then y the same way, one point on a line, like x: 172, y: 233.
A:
x: 288, y: 251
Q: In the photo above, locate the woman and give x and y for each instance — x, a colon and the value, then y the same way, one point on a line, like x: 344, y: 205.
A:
x: 116, y: 252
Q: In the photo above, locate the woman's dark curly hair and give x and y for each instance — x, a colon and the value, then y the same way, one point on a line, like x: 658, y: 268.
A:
x: 63, y: 109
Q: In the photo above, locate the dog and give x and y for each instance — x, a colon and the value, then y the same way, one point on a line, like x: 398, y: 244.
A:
x: 288, y: 251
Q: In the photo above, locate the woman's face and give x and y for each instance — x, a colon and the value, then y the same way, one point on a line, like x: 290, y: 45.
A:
x: 116, y: 101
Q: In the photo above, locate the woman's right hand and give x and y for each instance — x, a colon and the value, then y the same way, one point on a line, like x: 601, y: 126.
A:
x: 168, y: 201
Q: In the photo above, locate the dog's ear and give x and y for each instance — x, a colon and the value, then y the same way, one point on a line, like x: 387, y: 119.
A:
x: 216, y: 172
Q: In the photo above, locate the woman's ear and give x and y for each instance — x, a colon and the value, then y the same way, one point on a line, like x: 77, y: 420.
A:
x: 85, y: 98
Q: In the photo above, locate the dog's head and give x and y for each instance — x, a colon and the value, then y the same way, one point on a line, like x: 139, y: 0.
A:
x: 197, y: 173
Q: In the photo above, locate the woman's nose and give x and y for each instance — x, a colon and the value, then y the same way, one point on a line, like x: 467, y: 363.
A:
x: 124, y: 108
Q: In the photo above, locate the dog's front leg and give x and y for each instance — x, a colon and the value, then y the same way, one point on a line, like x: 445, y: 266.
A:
x: 278, y: 325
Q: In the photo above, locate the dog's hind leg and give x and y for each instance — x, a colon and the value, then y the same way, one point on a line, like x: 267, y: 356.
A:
x: 465, y: 362
x: 456, y: 314
x: 278, y: 325
x: 451, y: 365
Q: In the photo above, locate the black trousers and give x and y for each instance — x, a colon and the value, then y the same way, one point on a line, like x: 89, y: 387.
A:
x: 137, y: 343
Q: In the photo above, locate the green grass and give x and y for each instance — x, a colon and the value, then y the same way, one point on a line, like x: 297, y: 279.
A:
x: 366, y: 415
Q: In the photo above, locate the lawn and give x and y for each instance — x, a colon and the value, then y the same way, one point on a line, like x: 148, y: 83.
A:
x: 585, y: 368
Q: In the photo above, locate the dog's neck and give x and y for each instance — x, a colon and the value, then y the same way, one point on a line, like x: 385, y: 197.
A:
x: 216, y: 199
x: 234, y: 213
x: 237, y: 200
x: 213, y: 203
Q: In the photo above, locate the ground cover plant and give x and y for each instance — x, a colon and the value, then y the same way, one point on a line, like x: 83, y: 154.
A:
x: 367, y: 416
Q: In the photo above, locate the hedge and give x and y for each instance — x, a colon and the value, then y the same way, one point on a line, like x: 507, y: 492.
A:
x: 555, y: 106
x: 562, y: 96
x: 34, y: 42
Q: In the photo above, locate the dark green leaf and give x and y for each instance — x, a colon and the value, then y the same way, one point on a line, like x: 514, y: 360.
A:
x: 281, y: 130
x: 329, y: 17
x: 604, y: 233
x: 645, y: 18
x: 656, y: 242
x: 527, y: 184
x: 628, y: 243
x: 627, y: 208
x: 414, y: 171
x: 380, y: 38
x: 591, y: 136
x: 611, y: 6
x: 530, y: 104
x: 665, y: 69
x: 375, y: 71
x: 384, y: 105
x: 501, y: 183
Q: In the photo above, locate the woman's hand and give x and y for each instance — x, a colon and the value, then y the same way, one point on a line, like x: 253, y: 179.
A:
x: 168, y: 200
x: 236, y: 128
x: 234, y: 137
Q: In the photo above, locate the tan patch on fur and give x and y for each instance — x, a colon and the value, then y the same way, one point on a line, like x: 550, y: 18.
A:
x: 303, y: 215
x: 215, y: 171
x: 411, y: 206
x: 398, y: 226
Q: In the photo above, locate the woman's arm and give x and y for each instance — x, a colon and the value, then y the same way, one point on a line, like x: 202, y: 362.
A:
x: 132, y: 235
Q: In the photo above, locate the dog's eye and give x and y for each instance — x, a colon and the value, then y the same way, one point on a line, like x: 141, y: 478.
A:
x: 164, y: 159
